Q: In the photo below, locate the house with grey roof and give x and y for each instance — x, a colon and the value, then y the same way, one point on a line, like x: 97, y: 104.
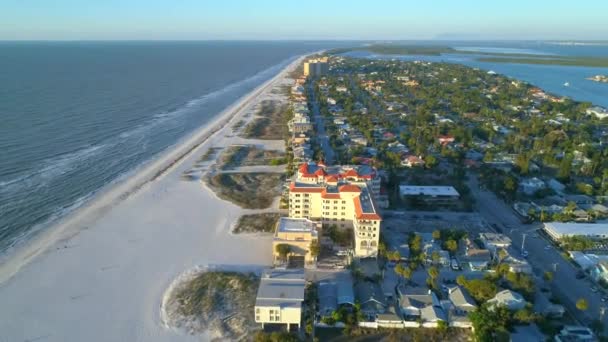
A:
x: 328, y: 298
x: 431, y: 315
x: 462, y: 301
x: 280, y: 296
x: 371, y: 298
x: 335, y: 292
x: 420, y: 303
x: 509, y: 299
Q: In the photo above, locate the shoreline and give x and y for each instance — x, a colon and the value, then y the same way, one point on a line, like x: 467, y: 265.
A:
x: 73, y: 223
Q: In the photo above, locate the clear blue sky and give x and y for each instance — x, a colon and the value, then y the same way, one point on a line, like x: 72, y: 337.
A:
x: 311, y: 19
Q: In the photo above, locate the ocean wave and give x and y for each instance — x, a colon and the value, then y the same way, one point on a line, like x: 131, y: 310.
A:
x: 196, y: 103
x: 51, y: 168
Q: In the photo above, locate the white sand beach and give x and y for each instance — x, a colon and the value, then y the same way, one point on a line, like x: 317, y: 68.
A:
x: 100, y: 274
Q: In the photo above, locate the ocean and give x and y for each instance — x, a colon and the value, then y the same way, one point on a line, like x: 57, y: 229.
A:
x: 78, y: 116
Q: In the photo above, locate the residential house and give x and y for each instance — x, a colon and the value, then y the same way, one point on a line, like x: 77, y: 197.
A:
x: 371, y: 298
x: 280, y: 296
x: 477, y: 259
x: 413, y: 299
x: 412, y: 161
x: 531, y: 185
x: 509, y: 299
x: 458, y: 306
x: 445, y: 139
x: 494, y: 241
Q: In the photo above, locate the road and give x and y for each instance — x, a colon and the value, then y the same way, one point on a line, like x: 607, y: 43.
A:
x: 542, y: 258
x: 321, y: 135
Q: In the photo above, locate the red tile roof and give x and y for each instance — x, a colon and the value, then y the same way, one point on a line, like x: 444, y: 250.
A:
x: 351, y: 173
x: 349, y: 188
x: 320, y: 172
x: 331, y: 179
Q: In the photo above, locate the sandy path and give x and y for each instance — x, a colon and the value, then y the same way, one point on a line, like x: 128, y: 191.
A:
x: 102, y: 274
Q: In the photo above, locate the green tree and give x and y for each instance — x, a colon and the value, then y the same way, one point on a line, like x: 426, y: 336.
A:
x: 437, y: 234
x: 393, y: 255
x: 510, y: 185
x: 582, y: 304
x: 283, y: 250
x: 548, y: 276
x: 430, y: 161
x: 433, y: 272
x: 481, y: 289
x: 451, y: 245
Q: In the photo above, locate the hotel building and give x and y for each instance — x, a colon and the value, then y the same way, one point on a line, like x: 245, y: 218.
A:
x: 343, y: 198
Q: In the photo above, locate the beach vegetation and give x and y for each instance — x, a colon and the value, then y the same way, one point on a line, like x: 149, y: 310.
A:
x: 247, y: 155
x: 218, y: 302
x: 257, y: 223
x: 250, y: 190
x: 269, y: 123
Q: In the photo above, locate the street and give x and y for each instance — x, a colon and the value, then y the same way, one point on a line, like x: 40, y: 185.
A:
x: 564, y: 285
x: 321, y: 136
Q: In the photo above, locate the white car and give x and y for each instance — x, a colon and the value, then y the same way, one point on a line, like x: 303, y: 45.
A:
x: 593, y: 289
x: 547, y: 247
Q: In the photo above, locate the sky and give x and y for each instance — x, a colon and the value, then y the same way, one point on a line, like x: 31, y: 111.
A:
x: 309, y: 20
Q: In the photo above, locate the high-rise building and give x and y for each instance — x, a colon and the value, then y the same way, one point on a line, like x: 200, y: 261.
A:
x: 316, y: 67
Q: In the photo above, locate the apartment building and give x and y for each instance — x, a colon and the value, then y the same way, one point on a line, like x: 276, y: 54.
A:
x: 348, y: 206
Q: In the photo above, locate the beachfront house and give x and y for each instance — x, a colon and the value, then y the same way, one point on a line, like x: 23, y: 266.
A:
x: 279, y: 299
x: 298, y: 234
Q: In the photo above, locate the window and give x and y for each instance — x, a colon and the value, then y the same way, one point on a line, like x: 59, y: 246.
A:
x: 343, y: 202
x: 335, y: 213
x: 257, y: 318
x: 297, y: 195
